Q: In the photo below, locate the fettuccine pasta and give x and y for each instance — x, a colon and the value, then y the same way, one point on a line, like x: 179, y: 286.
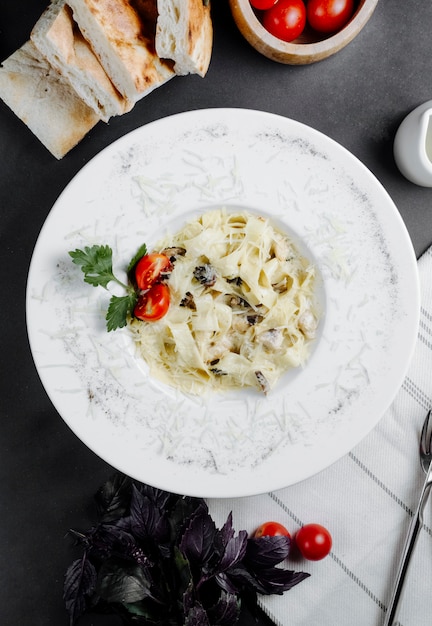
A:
x: 242, y: 306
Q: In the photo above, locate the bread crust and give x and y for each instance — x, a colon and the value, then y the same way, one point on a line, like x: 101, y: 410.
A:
x: 199, y: 35
x: 58, y: 38
x: 184, y: 34
x: 124, y: 44
x: 44, y: 101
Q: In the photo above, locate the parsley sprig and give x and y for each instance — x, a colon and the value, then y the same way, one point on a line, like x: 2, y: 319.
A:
x: 96, y: 263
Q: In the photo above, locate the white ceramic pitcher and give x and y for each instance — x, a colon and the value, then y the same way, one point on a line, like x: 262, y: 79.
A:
x: 412, y: 146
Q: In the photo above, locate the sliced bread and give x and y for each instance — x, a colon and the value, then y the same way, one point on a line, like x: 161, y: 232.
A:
x: 184, y: 34
x: 124, y: 44
x: 59, y: 40
x: 44, y: 101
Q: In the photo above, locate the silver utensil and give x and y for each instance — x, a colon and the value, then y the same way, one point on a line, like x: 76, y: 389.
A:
x: 416, y: 522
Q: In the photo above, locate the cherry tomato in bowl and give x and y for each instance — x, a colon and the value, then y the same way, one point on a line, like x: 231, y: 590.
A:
x: 271, y: 529
x: 286, y: 19
x: 262, y: 5
x: 149, y: 269
x: 329, y: 16
x: 153, y: 304
x: 314, y: 541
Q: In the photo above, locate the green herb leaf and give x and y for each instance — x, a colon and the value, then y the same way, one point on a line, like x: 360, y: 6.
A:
x: 142, y: 251
x: 183, y: 572
x: 96, y: 263
x: 118, y: 310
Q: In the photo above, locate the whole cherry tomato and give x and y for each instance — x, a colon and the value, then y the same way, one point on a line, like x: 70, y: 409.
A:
x: 314, y: 541
x: 329, y: 16
x: 153, y: 304
x: 149, y: 268
x: 262, y: 5
x: 286, y: 19
x: 271, y: 529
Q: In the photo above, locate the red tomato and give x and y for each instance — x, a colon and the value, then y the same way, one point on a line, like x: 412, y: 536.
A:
x: 262, y: 5
x: 314, y: 541
x: 153, y: 304
x: 271, y: 529
x: 286, y: 19
x: 329, y: 16
x: 149, y: 268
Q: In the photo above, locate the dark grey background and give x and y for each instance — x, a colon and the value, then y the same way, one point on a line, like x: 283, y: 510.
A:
x: 358, y: 97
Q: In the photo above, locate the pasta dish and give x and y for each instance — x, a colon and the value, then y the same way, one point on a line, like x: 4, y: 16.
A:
x: 242, y: 307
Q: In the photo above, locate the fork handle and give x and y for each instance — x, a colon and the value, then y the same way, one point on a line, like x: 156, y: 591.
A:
x: 410, y: 542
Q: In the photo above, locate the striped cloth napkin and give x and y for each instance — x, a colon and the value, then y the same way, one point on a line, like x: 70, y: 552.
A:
x: 366, y: 500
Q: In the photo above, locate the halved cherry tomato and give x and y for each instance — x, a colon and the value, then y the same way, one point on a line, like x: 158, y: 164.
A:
x: 262, y: 5
x: 329, y: 16
x: 271, y: 529
x: 149, y: 268
x: 153, y: 304
x: 314, y: 541
x: 286, y: 19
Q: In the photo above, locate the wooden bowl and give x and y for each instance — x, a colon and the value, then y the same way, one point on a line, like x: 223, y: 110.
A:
x: 309, y: 47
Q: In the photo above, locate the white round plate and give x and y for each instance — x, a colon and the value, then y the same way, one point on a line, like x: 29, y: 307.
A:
x: 150, y: 182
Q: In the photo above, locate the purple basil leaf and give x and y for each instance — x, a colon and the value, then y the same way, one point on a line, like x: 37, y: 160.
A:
x: 183, y: 511
x: 266, y: 581
x: 197, y: 541
x: 267, y: 551
x: 79, y: 584
x: 241, y: 578
x: 227, y: 530
x: 112, y: 499
x: 161, y: 499
x: 235, y: 550
x: 143, y: 515
x: 148, y: 522
x: 223, y: 535
x: 226, y: 611
x: 277, y: 580
x: 196, y: 616
x: 124, y: 582
x: 115, y: 540
x: 226, y: 583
